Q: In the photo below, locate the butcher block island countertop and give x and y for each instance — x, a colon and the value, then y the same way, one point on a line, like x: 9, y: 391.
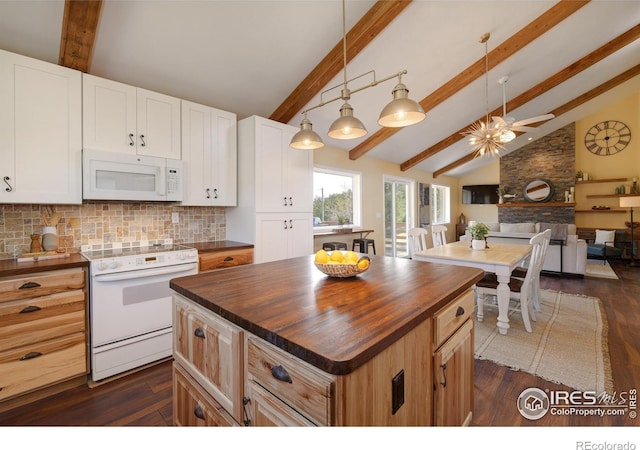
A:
x: 375, y: 336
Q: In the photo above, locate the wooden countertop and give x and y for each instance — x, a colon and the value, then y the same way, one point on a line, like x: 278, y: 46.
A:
x: 11, y: 267
x: 216, y: 246
x: 335, y: 324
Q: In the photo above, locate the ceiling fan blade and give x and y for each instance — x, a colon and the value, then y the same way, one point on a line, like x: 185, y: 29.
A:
x: 533, y: 120
x: 501, y: 121
x: 523, y: 129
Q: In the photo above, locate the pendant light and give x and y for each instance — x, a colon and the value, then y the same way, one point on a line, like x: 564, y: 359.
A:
x: 306, y: 138
x: 486, y: 138
x: 400, y: 112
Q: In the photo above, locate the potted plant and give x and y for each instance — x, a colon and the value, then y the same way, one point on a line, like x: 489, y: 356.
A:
x: 501, y: 192
x: 479, y: 232
x: 579, y: 175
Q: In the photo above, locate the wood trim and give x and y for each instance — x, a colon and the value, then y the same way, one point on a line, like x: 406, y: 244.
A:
x: 607, y: 180
x: 627, y: 75
x: 381, y: 14
x: 536, y: 205
x: 535, y: 29
x: 79, y: 25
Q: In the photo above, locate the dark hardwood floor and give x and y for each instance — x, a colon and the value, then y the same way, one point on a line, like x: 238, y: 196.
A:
x: 144, y: 398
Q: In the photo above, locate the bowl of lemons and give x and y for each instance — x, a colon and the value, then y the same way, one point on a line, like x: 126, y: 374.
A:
x: 339, y: 264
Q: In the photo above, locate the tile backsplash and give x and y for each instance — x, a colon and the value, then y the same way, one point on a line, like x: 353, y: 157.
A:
x: 95, y: 222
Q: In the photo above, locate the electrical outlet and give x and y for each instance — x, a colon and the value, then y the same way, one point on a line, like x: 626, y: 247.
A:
x: 175, y: 217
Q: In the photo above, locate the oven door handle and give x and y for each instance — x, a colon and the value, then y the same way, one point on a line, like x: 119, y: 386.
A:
x: 143, y: 273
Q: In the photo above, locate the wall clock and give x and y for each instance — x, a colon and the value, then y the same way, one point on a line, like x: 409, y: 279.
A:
x: 607, y: 138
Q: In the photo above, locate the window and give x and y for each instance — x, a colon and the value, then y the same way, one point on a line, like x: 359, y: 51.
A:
x: 440, y: 204
x: 336, y: 197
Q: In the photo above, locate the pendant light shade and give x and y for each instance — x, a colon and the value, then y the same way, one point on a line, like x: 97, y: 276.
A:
x: 306, y: 138
x: 347, y: 126
x: 401, y: 111
x: 507, y: 136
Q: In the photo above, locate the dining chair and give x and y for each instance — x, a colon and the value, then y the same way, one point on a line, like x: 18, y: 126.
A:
x: 521, y: 272
x: 439, y: 235
x: 417, y: 238
x: 521, y: 289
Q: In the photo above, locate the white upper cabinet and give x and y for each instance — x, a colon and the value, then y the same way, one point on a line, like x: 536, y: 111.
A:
x: 284, y: 176
x: 121, y: 118
x: 40, y: 131
x: 209, y: 153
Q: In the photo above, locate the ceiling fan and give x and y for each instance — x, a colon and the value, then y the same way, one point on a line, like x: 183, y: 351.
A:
x: 509, y: 124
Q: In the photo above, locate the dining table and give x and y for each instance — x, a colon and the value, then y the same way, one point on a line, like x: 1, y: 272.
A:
x: 500, y: 259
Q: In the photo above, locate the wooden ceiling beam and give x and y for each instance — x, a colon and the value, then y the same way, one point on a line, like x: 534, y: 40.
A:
x: 532, y: 31
x: 79, y: 26
x: 589, y: 95
x: 571, y: 70
x: 381, y: 14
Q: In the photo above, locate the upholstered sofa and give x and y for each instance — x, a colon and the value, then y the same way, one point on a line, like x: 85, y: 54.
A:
x: 565, y: 244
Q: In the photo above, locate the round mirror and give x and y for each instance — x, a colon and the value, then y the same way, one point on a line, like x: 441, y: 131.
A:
x: 538, y: 190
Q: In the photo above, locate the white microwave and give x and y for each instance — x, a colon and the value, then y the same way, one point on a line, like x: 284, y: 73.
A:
x: 120, y: 176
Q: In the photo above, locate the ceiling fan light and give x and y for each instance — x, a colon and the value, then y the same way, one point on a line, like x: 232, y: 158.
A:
x: 306, y: 138
x: 347, y: 126
x: 401, y: 111
x: 507, y: 136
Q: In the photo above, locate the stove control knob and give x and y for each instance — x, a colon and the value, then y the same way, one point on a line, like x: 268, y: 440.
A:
x: 113, y: 264
x: 181, y: 256
x: 101, y: 265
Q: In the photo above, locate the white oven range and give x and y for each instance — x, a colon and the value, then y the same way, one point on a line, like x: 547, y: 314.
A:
x: 130, y: 302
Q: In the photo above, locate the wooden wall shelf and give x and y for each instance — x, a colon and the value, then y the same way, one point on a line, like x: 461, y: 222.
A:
x: 606, y: 211
x: 607, y: 180
x: 612, y: 195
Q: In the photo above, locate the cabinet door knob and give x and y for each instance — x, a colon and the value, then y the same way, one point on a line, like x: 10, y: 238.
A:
x: 215, y: 193
x: 290, y: 201
x: 199, y: 333
x: 131, y: 141
x: 444, y: 374
x: 208, y: 193
x: 198, y: 412
x: 285, y: 225
x: 285, y: 201
x: 280, y: 373
x: 6, y: 180
x: 459, y: 311
x: 142, y: 139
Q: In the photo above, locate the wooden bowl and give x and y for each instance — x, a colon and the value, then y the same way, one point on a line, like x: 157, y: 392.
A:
x: 342, y: 270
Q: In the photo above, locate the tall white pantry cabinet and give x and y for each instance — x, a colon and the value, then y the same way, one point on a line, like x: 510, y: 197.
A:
x: 275, y: 192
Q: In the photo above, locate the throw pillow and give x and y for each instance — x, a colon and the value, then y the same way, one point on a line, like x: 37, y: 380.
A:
x: 605, y: 236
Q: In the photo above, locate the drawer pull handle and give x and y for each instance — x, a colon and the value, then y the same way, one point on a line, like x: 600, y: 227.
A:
x: 29, y: 285
x: 198, y: 412
x: 29, y: 309
x: 199, y: 333
x: 228, y: 258
x: 460, y: 311
x: 30, y: 355
x: 444, y: 374
x: 281, y: 374
x: 247, y: 420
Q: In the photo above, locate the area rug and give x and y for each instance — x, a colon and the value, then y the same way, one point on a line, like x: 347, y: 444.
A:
x: 595, y: 269
x: 568, y: 344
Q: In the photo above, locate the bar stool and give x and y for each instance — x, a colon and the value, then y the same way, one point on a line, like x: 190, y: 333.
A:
x: 364, y: 245
x: 334, y: 246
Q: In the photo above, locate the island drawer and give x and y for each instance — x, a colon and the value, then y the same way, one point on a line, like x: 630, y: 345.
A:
x: 33, y: 366
x: 193, y: 406
x: 447, y: 320
x: 303, y: 387
x: 43, y: 283
x: 225, y: 258
x: 29, y: 321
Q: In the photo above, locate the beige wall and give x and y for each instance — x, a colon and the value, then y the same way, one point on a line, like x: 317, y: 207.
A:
x: 625, y: 164
x: 373, y: 170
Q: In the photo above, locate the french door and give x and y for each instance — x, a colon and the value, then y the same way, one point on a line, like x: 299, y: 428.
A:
x: 398, y: 215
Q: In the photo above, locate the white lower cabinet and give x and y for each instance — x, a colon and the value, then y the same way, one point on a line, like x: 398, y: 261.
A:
x: 40, y: 131
x: 282, y: 236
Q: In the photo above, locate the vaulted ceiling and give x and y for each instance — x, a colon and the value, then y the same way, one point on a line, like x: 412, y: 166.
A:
x: 274, y: 58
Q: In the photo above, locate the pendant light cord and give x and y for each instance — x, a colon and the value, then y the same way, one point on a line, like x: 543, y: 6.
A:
x: 486, y: 80
x: 344, y: 42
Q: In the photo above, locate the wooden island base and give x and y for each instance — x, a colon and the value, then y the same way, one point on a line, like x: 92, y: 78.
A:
x: 250, y: 350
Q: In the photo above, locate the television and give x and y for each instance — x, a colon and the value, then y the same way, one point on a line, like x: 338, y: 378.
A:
x: 480, y: 194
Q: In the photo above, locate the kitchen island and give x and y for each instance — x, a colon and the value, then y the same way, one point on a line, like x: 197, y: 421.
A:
x: 280, y: 343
